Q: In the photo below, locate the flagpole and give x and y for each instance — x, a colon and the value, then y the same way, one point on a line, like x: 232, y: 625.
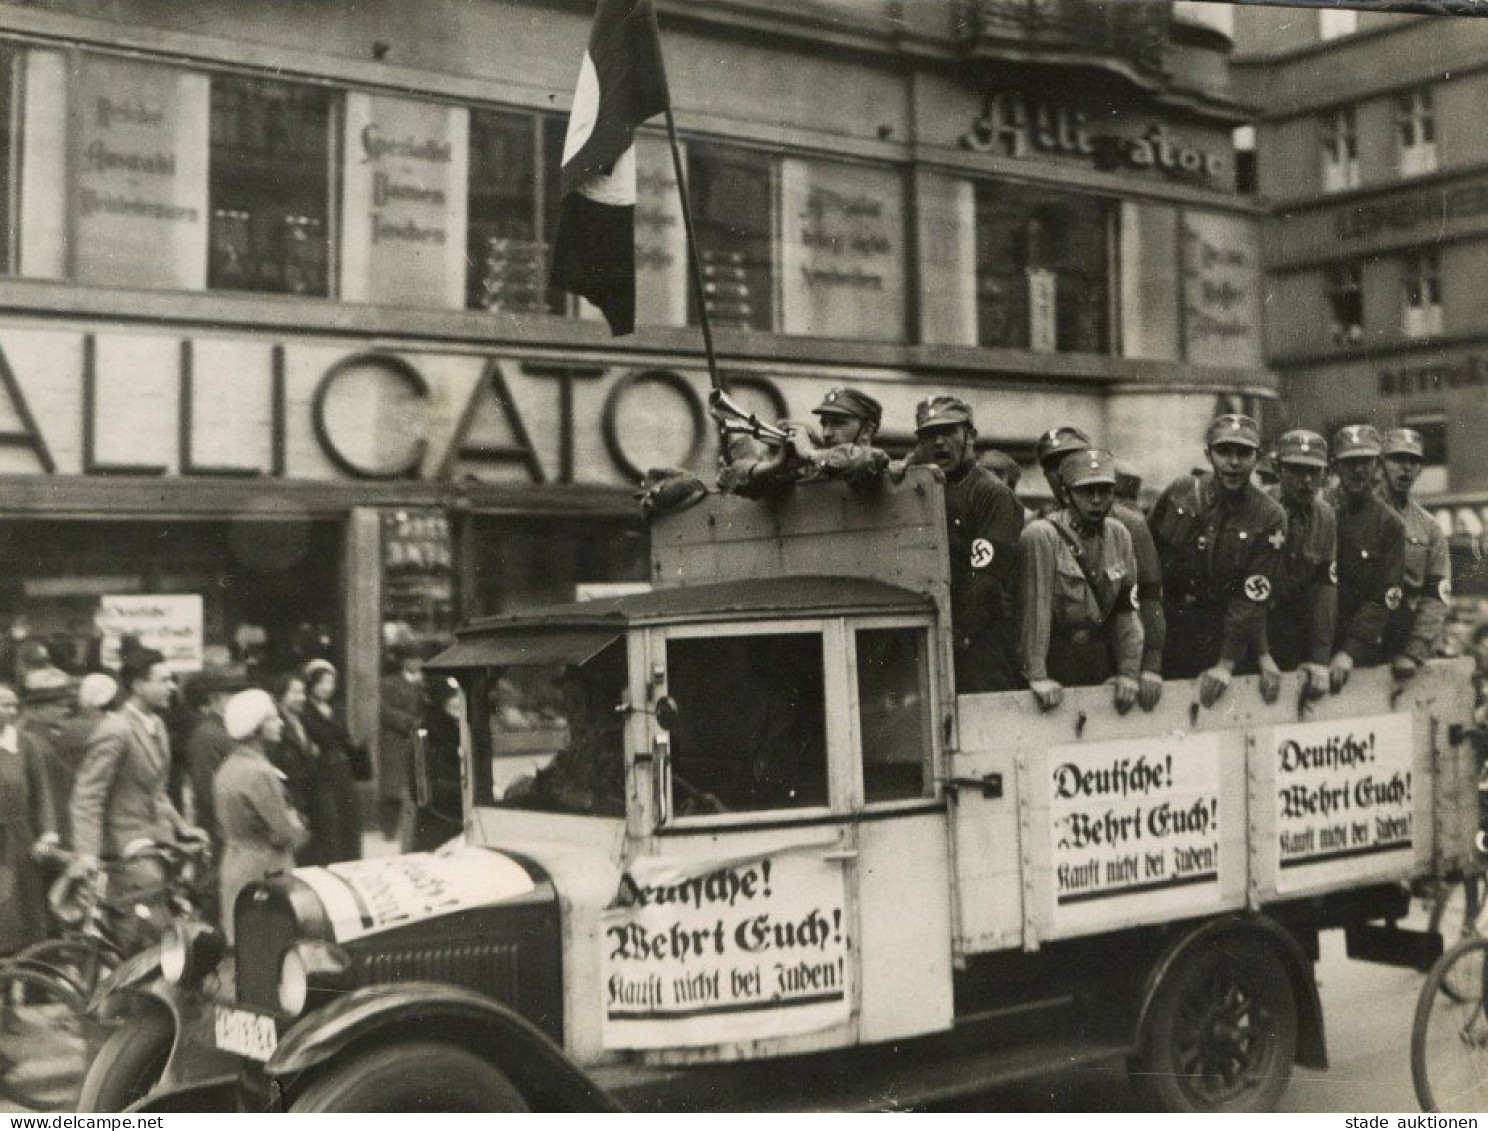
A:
x: 692, y: 249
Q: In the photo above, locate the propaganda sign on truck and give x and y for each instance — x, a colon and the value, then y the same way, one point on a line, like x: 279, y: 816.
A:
x: 720, y: 952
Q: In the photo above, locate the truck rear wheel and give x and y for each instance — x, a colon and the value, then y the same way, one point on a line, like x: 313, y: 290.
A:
x: 414, y: 1076
x: 1221, y: 1033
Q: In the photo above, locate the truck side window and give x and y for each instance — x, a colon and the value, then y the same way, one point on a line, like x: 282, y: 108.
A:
x: 753, y: 731
x: 893, y: 714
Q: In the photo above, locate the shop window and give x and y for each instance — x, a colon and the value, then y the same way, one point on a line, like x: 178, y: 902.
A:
x: 1043, y: 265
x: 1340, y: 150
x: 1423, y: 300
x: 269, y: 186
x: 752, y: 726
x: 508, y: 260
x: 732, y: 194
x: 893, y: 714
x: 520, y: 563
x: 1415, y: 132
x: 1346, y: 301
x: 1334, y: 23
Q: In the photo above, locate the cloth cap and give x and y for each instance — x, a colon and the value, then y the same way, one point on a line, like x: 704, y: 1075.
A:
x: 1234, y: 428
x: 851, y: 402
x: 47, y: 685
x: 246, y: 712
x: 1403, y: 442
x: 97, y: 690
x: 1080, y: 469
x: 1057, y: 443
x: 1355, y: 441
x: 937, y: 412
x: 1302, y: 446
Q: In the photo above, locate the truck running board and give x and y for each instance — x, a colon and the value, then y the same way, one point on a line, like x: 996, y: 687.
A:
x: 1390, y: 945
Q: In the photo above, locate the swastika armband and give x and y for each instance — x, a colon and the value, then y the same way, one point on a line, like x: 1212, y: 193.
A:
x: 1258, y: 587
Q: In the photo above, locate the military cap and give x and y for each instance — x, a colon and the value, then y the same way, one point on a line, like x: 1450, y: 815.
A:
x: 938, y: 412
x: 1356, y: 441
x: 1083, y: 468
x: 851, y: 402
x: 1059, y: 442
x: 1234, y: 428
x: 1302, y: 446
x: 1403, y: 442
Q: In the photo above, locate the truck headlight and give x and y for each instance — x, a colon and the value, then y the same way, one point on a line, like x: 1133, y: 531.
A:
x: 189, y: 951
x: 308, y: 966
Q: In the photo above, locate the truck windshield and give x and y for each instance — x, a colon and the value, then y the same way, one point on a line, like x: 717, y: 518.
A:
x: 556, y: 738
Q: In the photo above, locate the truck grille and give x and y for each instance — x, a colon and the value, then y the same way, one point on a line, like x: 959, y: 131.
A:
x: 489, y: 967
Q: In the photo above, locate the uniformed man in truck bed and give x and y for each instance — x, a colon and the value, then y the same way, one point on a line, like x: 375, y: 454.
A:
x: 1220, y: 540
x: 849, y: 419
x: 1054, y: 447
x: 1079, y: 590
x: 1413, y: 630
x: 1304, y: 608
x: 1371, y: 554
x: 983, y: 520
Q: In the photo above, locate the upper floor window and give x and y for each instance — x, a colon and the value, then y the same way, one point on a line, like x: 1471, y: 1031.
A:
x: 269, y: 186
x: 1346, y: 301
x: 1415, y: 132
x: 1043, y: 262
x: 1423, y: 298
x: 507, y: 261
x: 1336, y: 22
x: 1340, y: 150
x: 732, y: 195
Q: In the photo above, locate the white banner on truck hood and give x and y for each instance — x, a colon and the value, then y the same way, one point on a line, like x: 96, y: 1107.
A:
x: 362, y: 897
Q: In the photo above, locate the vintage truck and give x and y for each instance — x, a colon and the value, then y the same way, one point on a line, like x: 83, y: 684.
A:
x: 734, y: 843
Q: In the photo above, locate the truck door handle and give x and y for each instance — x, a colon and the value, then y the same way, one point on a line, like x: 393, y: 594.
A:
x: 989, y: 784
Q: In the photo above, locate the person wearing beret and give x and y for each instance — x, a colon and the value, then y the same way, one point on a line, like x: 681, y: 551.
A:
x: 1415, y: 628
x: 1079, y: 590
x: 1371, y: 554
x: 848, y: 421
x: 1220, y: 542
x: 1304, y: 609
x: 261, y: 831
x: 983, y: 522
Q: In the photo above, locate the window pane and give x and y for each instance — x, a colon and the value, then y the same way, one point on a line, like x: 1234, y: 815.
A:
x: 732, y: 194
x: 753, y: 731
x: 270, y: 186
x: 893, y: 706
x: 1030, y: 242
x: 508, y: 263
x: 553, y: 129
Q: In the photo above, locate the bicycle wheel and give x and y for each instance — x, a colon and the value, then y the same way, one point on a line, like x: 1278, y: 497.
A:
x: 1457, y: 914
x: 80, y: 961
x: 1449, y: 1037
x: 44, y: 1039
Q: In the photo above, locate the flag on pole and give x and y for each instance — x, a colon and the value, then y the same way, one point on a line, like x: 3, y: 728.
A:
x: 621, y: 84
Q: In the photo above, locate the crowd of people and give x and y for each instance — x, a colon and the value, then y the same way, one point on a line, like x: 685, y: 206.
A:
x: 266, y: 776
x: 1328, y: 566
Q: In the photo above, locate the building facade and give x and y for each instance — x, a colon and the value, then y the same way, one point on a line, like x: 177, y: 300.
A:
x: 1371, y: 156
x: 275, y: 334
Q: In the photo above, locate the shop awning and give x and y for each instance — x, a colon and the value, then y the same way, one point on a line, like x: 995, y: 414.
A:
x: 561, y: 648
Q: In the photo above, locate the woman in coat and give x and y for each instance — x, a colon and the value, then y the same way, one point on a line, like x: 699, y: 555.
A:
x: 26, y: 816
x: 335, y: 814
x: 260, y: 830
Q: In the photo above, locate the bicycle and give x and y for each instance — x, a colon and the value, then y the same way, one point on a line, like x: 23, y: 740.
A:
x: 48, y: 1036
x: 1449, y: 1035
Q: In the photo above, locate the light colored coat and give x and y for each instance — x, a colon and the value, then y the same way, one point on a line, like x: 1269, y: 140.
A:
x: 260, y: 829
x: 119, y: 795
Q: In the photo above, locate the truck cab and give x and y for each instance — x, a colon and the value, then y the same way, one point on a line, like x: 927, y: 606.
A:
x: 736, y: 843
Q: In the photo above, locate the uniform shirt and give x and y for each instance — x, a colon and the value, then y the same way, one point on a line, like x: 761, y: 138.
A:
x: 1415, y: 627
x: 1149, y: 585
x: 983, y: 522
x: 1304, y: 606
x: 1220, y: 554
x: 1057, y: 599
x: 1371, y: 570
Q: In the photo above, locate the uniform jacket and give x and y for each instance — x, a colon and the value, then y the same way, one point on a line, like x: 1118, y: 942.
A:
x: 1149, y: 585
x: 261, y: 832
x: 1371, y: 572
x: 1304, y: 610
x: 1415, y: 628
x: 983, y: 521
x: 1221, y: 556
x: 120, y: 792
x: 1057, y: 600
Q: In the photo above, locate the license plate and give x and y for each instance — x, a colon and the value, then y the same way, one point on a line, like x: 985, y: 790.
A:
x: 247, y: 1034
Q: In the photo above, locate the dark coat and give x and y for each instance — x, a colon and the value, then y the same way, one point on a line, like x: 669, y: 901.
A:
x: 335, y: 813
x: 25, y: 813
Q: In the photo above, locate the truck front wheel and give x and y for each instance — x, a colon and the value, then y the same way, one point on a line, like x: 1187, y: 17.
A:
x: 1221, y: 1032
x: 416, y: 1076
x: 129, y: 1063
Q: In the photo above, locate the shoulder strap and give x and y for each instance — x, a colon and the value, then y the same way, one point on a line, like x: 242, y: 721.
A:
x: 1074, y: 546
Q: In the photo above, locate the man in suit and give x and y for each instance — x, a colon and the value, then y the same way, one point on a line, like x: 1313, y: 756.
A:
x: 120, y: 797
